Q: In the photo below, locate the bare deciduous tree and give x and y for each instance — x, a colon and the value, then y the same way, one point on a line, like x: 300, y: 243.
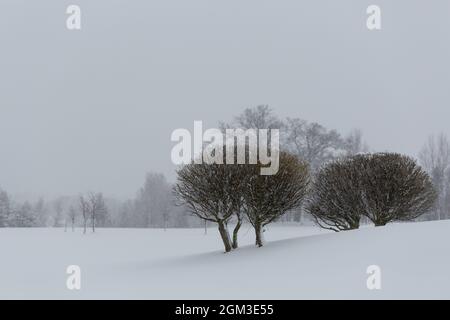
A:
x: 154, y: 201
x: 435, y: 158
x: 335, y: 197
x: 312, y: 142
x: 97, y: 207
x: 259, y: 117
x: 5, y: 208
x: 85, y: 209
x: 40, y: 212
x: 266, y: 198
x: 353, y: 143
x: 72, y: 215
x: 58, y: 206
x: 384, y: 187
x: 209, y: 191
x: 394, y: 187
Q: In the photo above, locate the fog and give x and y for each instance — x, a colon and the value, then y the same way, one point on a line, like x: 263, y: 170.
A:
x: 93, y: 109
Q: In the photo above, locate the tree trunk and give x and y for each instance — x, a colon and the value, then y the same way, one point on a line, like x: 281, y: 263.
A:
x: 354, y: 224
x: 73, y: 226
x: 259, y: 234
x: 380, y: 223
x: 93, y: 222
x: 235, y: 233
x: 225, y: 236
x: 85, y: 226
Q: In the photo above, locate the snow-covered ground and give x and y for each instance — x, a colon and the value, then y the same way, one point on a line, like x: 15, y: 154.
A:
x: 297, y: 263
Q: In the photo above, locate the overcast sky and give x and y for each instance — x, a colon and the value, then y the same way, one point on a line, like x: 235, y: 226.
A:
x: 94, y: 109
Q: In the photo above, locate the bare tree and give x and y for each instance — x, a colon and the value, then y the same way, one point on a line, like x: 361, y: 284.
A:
x: 24, y: 216
x: 97, y: 208
x: 154, y: 201
x: 208, y: 190
x: 353, y: 143
x: 58, y: 206
x: 154, y: 206
x: 384, y: 187
x: 165, y: 204
x: 335, y: 199
x: 85, y: 209
x: 72, y: 214
x: 312, y: 142
x: 40, y: 213
x: 259, y: 117
x: 435, y: 158
x: 267, y: 197
x: 5, y: 208
x: 394, y: 187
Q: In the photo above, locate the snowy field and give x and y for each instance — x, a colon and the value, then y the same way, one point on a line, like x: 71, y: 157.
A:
x: 297, y: 263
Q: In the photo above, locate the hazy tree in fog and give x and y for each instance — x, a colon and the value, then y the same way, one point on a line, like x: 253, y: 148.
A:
x: 164, y: 203
x: 84, y: 209
x: 72, y: 215
x: 435, y: 158
x: 126, y: 214
x: 165, y: 210
x: 154, y: 201
x: 24, y: 215
x: 259, y: 117
x: 97, y: 209
x: 353, y: 143
x: 58, y: 207
x: 312, y: 142
x: 309, y: 140
x: 5, y: 208
x: 153, y: 207
x: 40, y: 213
